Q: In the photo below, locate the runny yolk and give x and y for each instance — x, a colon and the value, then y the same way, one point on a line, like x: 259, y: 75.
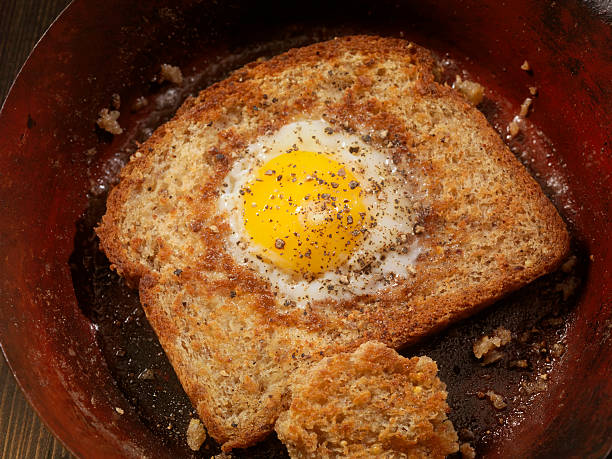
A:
x: 304, y: 212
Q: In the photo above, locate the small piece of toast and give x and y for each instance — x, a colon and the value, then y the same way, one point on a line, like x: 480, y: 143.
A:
x: 371, y: 403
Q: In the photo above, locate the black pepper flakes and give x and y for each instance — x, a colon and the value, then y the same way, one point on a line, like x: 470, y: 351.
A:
x: 232, y: 294
x: 177, y: 272
x: 329, y: 130
x: 279, y: 244
x: 353, y: 184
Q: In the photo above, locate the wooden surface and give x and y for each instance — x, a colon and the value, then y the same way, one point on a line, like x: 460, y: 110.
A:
x: 22, y: 434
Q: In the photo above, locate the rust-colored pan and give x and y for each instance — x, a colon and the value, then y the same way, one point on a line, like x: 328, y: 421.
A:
x: 74, y: 335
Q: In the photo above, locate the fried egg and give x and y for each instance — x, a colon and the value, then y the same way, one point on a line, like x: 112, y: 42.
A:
x: 321, y: 213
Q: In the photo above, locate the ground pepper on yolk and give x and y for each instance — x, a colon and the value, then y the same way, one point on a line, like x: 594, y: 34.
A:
x: 304, y: 212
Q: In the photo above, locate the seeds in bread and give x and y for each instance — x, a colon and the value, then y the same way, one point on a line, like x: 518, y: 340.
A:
x: 370, y: 403
x: 485, y: 230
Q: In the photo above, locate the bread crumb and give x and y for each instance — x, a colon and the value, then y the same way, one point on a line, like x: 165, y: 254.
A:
x: 514, y: 127
x: 116, y: 101
x: 171, y: 73
x: 196, y: 435
x: 533, y: 90
x: 108, y: 121
x: 525, y: 66
x: 500, y: 337
x: 492, y: 356
x: 497, y: 400
x: 467, y: 451
x: 139, y: 104
x: 119, y: 410
x: 569, y: 264
x: 557, y: 350
x: 525, y: 107
x: 519, y: 363
x: 472, y: 91
x: 146, y: 374
x: 533, y: 387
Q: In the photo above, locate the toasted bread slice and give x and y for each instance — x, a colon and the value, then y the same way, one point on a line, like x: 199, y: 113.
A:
x: 486, y: 230
x: 370, y: 403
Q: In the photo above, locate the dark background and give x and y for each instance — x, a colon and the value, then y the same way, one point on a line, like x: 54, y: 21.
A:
x: 22, y: 434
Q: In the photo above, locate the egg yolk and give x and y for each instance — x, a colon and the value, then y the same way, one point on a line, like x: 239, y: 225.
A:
x: 304, y: 212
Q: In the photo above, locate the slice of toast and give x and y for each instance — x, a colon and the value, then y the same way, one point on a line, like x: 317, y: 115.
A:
x: 369, y: 403
x: 486, y: 229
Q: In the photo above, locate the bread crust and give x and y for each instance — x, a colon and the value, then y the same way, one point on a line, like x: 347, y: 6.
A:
x: 474, y: 254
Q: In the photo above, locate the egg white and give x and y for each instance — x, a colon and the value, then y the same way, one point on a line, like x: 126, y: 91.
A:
x: 390, y: 250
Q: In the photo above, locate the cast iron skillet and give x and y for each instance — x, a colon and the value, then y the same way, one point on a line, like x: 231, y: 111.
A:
x: 54, y: 165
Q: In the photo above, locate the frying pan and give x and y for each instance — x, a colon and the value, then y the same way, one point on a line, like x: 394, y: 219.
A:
x: 56, y: 166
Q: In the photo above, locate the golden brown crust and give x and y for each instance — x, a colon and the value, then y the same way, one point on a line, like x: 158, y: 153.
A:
x: 214, y: 315
x: 370, y: 403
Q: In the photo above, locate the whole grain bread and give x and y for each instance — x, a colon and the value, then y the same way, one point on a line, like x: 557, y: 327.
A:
x: 487, y: 228
x: 369, y: 403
